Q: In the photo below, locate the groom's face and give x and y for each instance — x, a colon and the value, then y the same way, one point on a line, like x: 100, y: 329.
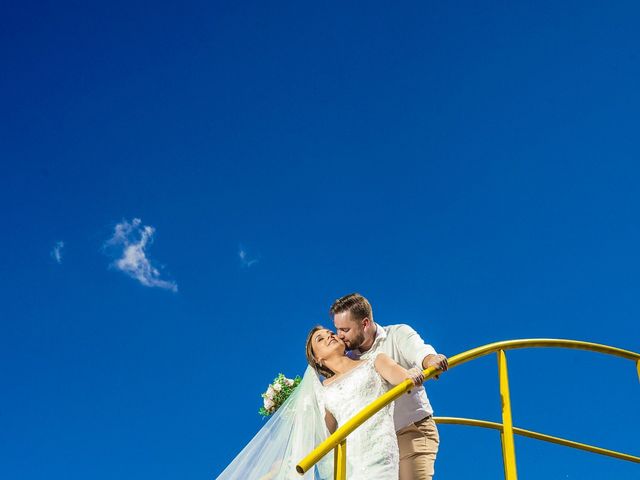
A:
x: 349, y: 330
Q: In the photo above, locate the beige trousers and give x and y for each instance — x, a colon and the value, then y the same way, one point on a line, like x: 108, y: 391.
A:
x: 418, y: 444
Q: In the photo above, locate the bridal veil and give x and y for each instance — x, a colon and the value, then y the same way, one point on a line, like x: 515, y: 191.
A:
x: 292, y: 432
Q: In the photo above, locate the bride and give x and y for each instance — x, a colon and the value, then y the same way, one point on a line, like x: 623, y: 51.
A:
x: 314, y: 408
x: 351, y: 385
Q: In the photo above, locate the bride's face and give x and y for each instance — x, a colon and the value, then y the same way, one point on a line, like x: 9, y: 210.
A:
x: 325, y: 343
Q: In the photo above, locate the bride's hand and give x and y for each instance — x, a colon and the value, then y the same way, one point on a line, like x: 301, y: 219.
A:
x: 415, y: 374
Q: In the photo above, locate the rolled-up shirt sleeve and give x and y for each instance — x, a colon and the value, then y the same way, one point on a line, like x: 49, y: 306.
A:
x: 411, y: 345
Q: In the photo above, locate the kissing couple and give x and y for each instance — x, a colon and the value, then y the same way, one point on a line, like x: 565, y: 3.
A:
x: 348, y: 369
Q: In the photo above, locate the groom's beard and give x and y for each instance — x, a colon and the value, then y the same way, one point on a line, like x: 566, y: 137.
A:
x: 356, y: 342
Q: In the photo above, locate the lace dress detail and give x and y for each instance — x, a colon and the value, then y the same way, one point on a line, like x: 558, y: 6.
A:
x: 372, y: 449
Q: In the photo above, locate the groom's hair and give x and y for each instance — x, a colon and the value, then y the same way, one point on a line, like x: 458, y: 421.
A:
x: 355, y: 303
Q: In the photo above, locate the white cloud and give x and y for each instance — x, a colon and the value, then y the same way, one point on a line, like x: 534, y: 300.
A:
x: 245, y: 260
x: 133, y: 238
x: 56, y: 251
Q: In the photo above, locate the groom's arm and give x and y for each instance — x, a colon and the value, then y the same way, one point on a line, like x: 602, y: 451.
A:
x: 418, y: 353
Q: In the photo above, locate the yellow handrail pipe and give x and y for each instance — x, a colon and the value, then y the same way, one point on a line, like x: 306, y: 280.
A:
x: 536, y: 435
x: 506, y: 434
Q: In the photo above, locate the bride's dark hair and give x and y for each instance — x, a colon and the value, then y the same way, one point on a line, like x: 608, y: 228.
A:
x: 311, y: 359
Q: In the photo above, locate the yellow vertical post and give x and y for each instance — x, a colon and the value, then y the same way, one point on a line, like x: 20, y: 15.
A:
x: 508, y: 446
x: 340, y: 461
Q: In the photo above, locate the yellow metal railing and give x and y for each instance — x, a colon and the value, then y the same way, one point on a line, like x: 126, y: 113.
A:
x: 338, y: 440
x: 538, y: 436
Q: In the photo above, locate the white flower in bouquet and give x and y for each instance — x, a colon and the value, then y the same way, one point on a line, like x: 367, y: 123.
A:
x: 268, y: 404
x: 289, y: 381
x: 277, y: 387
x: 270, y: 392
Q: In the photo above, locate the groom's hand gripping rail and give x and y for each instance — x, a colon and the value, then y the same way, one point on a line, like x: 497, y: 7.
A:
x: 363, y: 415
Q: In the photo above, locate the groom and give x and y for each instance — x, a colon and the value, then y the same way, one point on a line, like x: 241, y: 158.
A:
x: 417, y: 433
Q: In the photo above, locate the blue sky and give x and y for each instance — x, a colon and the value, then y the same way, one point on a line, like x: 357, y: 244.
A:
x: 472, y: 169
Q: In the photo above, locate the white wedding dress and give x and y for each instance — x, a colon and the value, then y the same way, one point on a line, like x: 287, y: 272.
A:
x: 372, y: 449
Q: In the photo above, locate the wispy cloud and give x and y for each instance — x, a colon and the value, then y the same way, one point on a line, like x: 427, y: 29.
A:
x: 56, y: 251
x: 245, y: 260
x: 133, y: 238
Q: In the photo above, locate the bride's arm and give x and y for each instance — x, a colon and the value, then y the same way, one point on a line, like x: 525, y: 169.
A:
x: 394, y: 373
x: 330, y: 421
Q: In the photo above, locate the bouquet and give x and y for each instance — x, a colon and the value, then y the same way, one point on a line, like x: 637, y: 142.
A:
x: 277, y: 393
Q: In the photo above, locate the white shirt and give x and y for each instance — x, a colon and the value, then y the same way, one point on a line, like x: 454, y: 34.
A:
x: 404, y: 345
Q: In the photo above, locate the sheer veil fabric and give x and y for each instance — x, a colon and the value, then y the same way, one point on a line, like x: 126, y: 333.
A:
x: 292, y: 432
